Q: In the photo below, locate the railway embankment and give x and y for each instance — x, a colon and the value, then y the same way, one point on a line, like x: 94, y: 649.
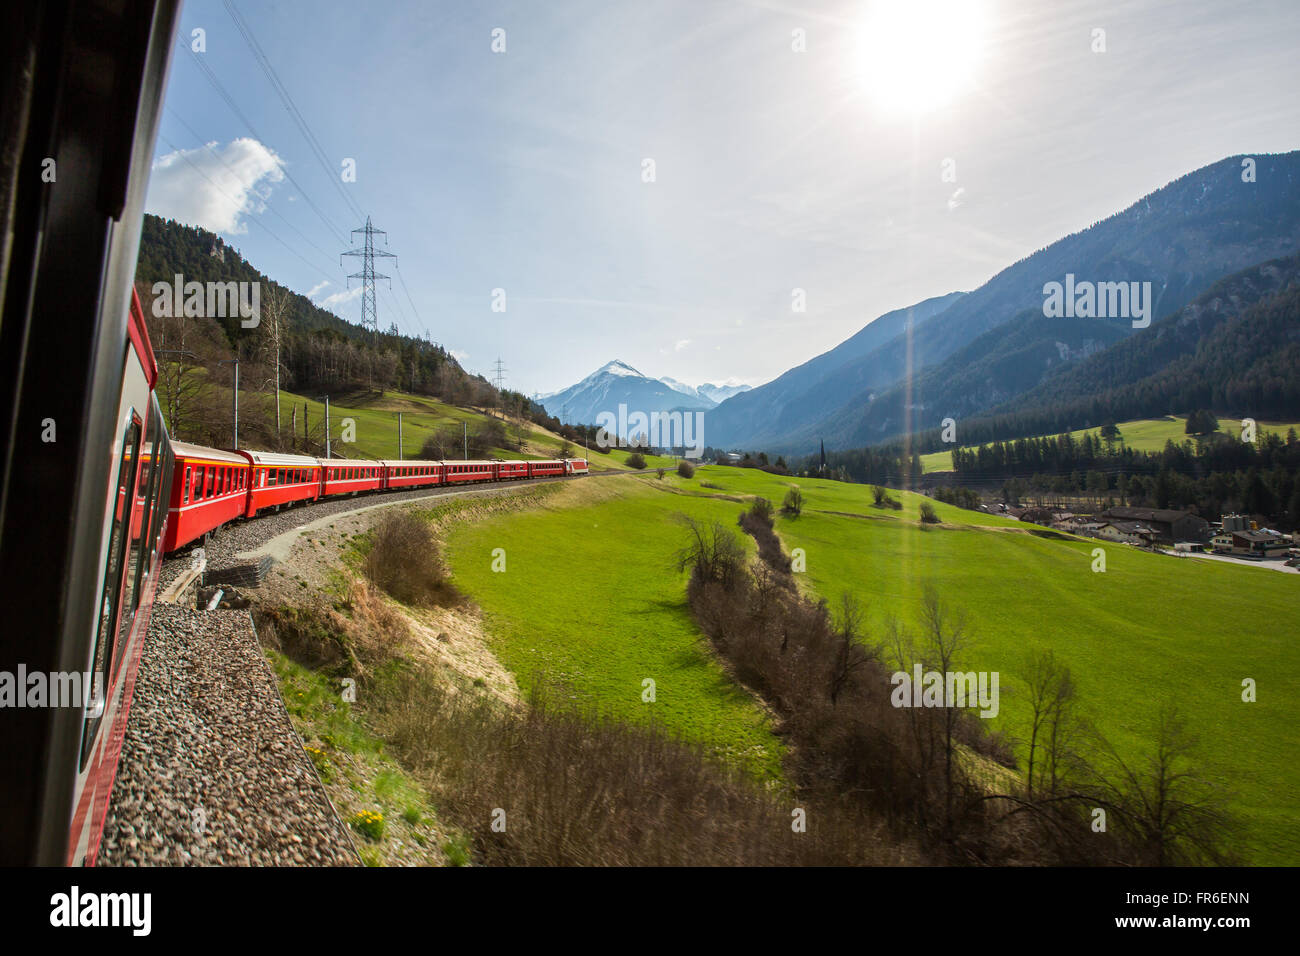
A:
x: 212, y: 771
x: 235, y: 754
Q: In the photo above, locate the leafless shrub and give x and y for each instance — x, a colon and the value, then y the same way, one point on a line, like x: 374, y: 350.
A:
x: 403, y: 561
x: 642, y: 798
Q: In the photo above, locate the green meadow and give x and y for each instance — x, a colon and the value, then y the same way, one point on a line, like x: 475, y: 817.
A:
x: 590, y: 598
x: 590, y: 606
x: 1143, y: 434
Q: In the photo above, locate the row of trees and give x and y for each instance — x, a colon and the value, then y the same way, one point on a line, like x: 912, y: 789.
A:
x: 930, y: 772
x: 1212, y: 475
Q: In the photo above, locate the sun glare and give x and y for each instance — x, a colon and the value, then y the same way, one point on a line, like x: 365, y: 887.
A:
x: 918, y: 55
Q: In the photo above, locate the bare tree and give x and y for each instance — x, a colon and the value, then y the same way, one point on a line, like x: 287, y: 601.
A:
x: 1176, y: 815
x: 1051, y: 702
x: 850, y: 655
x: 274, y: 327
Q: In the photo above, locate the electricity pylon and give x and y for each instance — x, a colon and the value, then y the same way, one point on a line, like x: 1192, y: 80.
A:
x: 368, y: 275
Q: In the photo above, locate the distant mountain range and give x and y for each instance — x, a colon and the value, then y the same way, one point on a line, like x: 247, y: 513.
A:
x: 617, y: 383
x: 962, y: 355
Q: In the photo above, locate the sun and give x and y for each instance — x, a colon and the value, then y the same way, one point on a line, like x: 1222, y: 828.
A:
x: 918, y: 55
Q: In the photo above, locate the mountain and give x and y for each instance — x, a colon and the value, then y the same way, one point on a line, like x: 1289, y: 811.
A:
x: 720, y: 393
x: 685, y: 389
x: 1181, y: 238
x: 814, y: 389
x: 617, y: 383
x: 1234, y: 349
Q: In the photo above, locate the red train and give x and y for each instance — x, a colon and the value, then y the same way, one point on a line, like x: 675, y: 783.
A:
x: 211, y: 487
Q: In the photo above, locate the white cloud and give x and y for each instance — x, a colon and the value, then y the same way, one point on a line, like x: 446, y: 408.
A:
x: 317, y: 288
x: 459, y: 356
x: 681, y: 344
x: 214, y: 186
x: 338, y: 298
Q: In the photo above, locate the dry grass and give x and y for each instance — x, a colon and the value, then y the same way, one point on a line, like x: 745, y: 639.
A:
x: 577, y: 789
x: 403, y: 561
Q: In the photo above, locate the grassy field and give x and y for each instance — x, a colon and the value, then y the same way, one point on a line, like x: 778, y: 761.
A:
x: 590, y: 603
x: 1144, y: 434
x: 590, y: 598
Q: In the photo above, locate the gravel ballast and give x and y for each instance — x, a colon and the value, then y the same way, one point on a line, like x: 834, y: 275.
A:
x: 212, y: 771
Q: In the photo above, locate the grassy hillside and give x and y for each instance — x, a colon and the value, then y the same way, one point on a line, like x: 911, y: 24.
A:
x: 1144, y: 434
x: 1151, y: 629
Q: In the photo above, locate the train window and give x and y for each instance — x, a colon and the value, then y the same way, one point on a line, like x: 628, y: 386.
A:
x: 185, y: 488
x: 198, y: 482
x: 113, y: 571
x: 150, y: 467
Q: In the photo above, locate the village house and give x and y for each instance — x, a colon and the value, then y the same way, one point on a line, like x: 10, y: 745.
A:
x: 1166, y: 525
x: 1252, y: 544
x: 1126, y: 532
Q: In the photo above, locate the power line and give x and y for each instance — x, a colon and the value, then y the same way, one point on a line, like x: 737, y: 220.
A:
x: 223, y: 162
x: 256, y: 222
x: 369, y: 311
x: 401, y: 278
x: 234, y: 107
x: 295, y: 114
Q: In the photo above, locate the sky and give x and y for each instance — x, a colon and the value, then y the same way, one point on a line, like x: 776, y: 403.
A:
x: 667, y: 183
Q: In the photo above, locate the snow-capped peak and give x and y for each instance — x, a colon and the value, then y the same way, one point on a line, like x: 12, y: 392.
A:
x: 682, y: 387
x: 618, y: 368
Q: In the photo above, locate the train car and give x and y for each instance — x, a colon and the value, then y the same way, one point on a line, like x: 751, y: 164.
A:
x: 466, y: 472
x: 350, y: 476
x: 131, y: 541
x: 279, y: 480
x: 511, y: 470
x: 209, y: 488
x: 576, y: 466
x: 545, y: 468
x: 411, y: 474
